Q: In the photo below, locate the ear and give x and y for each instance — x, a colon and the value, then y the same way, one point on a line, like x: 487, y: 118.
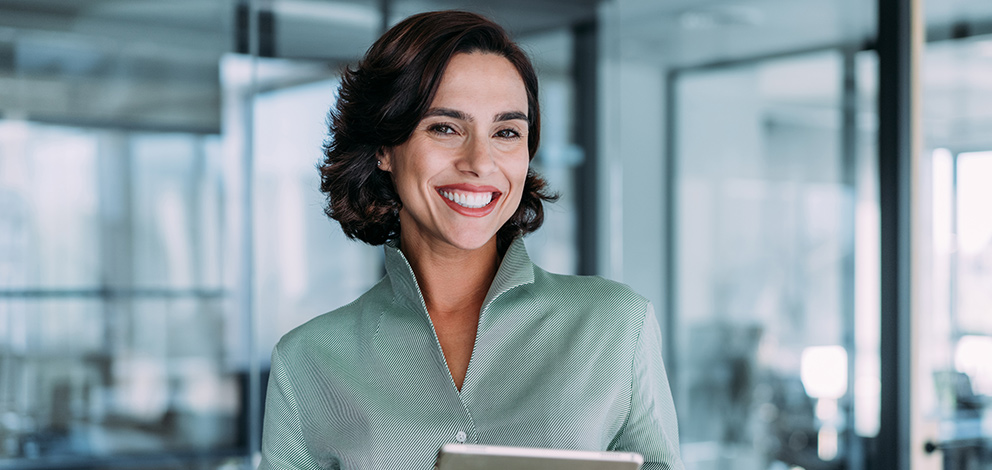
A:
x: 385, y: 159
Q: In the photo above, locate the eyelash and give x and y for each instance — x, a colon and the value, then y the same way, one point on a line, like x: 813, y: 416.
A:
x: 515, y: 134
x: 446, y: 129
x: 441, y: 128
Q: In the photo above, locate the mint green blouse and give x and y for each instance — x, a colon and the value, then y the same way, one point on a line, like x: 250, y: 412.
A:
x: 565, y: 362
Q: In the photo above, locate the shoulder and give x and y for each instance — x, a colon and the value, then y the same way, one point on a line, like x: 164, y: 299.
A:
x: 592, y: 293
x: 587, y: 286
x: 341, y: 328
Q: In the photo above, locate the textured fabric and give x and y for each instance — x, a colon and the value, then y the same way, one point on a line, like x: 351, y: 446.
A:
x: 559, y: 361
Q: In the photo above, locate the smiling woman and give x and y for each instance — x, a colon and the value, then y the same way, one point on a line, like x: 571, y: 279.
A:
x: 391, y: 94
x: 461, y: 173
x: 465, y: 339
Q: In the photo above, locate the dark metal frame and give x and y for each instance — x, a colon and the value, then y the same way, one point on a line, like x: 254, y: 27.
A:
x: 896, y: 113
x: 252, y: 405
x: 585, y: 60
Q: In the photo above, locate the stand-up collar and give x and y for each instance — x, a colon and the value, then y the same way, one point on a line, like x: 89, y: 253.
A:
x: 515, y: 270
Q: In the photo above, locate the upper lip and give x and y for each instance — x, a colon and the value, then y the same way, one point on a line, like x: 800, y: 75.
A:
x: 472, y: 188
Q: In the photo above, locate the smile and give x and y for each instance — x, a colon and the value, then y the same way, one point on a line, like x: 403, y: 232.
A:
x: 470, y: 200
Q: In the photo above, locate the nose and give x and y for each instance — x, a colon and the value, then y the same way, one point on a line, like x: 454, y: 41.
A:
x: 478, y: 158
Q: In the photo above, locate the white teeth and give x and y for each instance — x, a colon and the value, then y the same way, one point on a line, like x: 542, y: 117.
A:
x: 470, y: 200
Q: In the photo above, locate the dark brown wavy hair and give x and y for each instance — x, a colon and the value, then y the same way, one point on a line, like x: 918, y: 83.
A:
x: 380, y: 103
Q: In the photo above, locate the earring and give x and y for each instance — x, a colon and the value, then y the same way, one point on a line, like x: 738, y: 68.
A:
x: 378, y: 163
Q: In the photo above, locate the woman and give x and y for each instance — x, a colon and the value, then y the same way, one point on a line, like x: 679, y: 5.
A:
x: 464, y: 340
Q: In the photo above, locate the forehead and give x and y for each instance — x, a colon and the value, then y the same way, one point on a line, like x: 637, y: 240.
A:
x: 481, y: 80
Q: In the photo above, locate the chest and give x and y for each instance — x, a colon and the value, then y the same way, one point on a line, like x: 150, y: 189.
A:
x: 541, y: 383
x: 456, y: 335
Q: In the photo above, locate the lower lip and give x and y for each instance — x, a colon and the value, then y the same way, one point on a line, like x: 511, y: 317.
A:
x: 471, y: 211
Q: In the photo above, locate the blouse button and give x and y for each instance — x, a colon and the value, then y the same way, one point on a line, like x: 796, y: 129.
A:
x: 460, y: 436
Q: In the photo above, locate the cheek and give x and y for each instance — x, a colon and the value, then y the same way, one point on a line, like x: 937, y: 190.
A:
x: 408, y: 174
x: 517, y: 174
x: 521, y: 166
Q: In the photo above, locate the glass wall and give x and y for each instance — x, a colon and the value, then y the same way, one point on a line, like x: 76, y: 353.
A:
x: 160, y: 219
x: 764, y: 272
x: 116, y: 300
x: 113, y: 293
x: 770, y: 235
x: 955, y: 376
x: 772, y: 226
x: 303, y: 263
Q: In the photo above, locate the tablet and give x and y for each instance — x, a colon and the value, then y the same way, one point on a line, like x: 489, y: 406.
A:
x: 482, y: 457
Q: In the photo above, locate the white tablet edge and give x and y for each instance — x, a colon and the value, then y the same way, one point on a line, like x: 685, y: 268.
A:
x: 479, y: 449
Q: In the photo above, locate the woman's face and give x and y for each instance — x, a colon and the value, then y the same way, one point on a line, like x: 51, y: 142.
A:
x: 460, y: 176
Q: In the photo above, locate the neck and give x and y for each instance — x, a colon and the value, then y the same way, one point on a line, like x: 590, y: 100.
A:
x: 453, y: 281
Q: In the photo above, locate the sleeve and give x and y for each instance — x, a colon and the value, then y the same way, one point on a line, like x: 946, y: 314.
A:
x: 651, y: 428
x: 283, y: 443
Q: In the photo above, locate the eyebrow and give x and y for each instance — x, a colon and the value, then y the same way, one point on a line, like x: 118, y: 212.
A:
x: 509, y: 116
x: 456, y: 114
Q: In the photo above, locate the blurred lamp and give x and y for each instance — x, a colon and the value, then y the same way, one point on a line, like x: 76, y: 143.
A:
x: 823, y: 370
x: 972, y: 356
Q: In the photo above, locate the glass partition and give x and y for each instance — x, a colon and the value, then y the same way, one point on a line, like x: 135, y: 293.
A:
x: 304, y: 264
x: 120, y: 338
x: 112, y: 296
x: 160, y: 219
x: 764, y: 271
x: 955, y: 385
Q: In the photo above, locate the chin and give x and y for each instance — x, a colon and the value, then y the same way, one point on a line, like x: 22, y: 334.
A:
x: 470, y: 236
x: 472, y: 243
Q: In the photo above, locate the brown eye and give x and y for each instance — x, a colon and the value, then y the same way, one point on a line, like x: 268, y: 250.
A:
x: 508, y: 134
x: 441, y: 129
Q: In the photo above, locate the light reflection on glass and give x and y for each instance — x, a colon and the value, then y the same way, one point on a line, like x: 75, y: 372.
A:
x: 824, y: 371
x: 973, y: 356
x: 974, y: 200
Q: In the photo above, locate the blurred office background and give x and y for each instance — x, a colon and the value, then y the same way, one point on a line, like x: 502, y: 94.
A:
x: 161, y: 227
